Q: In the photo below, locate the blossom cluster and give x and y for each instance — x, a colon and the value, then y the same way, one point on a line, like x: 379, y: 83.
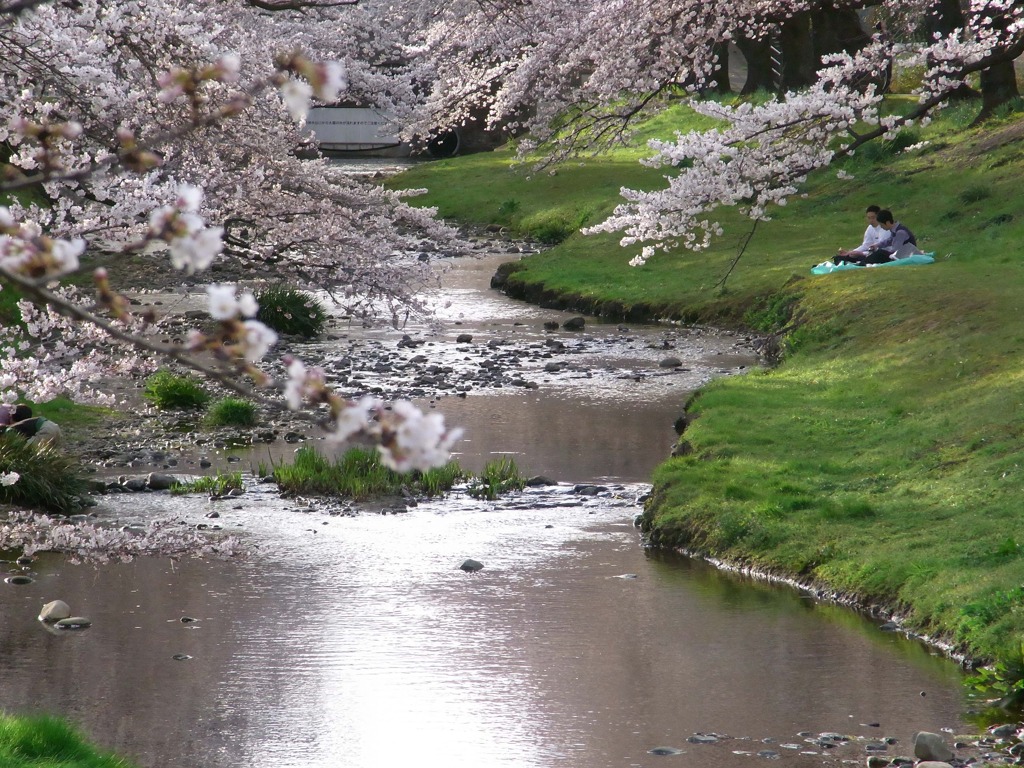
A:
x: 26, y: 251
x: 406, y: 438
x: 193, y: 245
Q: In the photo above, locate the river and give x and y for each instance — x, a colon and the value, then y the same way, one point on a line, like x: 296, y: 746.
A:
x: 357, y: 641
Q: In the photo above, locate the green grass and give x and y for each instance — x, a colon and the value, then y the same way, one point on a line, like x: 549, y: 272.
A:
x: 291, y: 311
x: 358, y: 474
x: 47, y: 742
x: 499, y: 476
x: 885, y: 455
x: 217, y: 485
x: 232, y: 412
x: 49, y: 479
x: 166, y: 390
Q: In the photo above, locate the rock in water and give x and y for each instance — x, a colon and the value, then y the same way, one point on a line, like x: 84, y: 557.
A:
x: 157, y: 481
x: 931, y: 747
x: 74, y: 622
x: 55, y: 610
x: 471, y: 566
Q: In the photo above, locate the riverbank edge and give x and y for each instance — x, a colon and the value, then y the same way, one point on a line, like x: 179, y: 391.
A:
x: 889, y: 610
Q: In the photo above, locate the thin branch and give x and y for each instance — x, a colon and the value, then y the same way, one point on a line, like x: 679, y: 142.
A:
x: 743, y: 248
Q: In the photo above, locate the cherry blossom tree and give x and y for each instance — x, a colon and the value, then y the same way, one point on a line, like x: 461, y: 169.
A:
x: 575, y: 77
x: 171, y: 130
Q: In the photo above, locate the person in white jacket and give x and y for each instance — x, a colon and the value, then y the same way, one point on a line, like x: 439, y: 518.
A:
x: 874, y: 236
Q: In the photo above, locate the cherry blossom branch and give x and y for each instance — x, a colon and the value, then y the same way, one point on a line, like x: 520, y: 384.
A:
x: 40, y: 294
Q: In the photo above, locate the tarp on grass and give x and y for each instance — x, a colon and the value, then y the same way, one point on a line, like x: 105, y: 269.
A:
x: 828, y: 267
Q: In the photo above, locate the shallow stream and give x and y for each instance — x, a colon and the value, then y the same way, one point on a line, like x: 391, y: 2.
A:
x: 357, y: 641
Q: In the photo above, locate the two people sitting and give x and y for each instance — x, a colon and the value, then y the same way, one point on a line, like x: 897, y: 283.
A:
x: 885, y: 239
x: 37, y: 430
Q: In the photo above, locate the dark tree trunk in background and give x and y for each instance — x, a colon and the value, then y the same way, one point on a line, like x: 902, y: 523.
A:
x: 837, y: 30
x: 799, y: 63
x: 998, y: 86
x: 944, y: 18
x: 758, y: 54
x: 720, y: 79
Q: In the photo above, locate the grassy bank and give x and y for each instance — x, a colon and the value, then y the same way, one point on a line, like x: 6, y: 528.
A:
x: 38, y: 742
x: 883, y: 457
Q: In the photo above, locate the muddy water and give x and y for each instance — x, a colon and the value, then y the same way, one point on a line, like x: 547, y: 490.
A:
x: 357, y: 641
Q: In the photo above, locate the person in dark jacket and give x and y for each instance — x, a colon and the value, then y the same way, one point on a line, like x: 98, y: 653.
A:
x: 901, y: 242
x: 37, y: 430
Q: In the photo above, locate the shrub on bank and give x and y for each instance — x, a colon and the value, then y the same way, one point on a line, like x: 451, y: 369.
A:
x: 34, y: 742
x: 232, y: 412
x: 48, y: 480
x: 291, y: 311
x: 166, y: 390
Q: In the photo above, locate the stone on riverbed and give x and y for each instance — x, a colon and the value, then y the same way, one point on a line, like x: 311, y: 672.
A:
x: 574, y: 324
x: 931, y: 747
x: 157, y: 481
x: 471, y: 566
x: 537, y: 480
x: 134, y: 484
x: 74, y: 622
x: 703, y: 738
x: 55, y: 610
x: 670, y: 362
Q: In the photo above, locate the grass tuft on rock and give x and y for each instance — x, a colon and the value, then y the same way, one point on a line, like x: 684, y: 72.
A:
x: 47, y: 742
x: 48, y: 479
x: 168, y: 391
x: 291, y: 311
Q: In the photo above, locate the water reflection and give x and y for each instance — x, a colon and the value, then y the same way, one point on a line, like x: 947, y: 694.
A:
x: 363, y: 645
x: 357, y: 642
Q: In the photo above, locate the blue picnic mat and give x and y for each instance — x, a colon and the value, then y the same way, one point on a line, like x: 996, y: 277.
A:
x: 828, y: 267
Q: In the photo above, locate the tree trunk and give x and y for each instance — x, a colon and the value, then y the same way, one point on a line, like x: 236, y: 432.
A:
x: 837, y: 30
x: 758, y: 54
x: 945, y: 16
x: 719, y: 82
x: 998, y: 86
x: 798, y: 60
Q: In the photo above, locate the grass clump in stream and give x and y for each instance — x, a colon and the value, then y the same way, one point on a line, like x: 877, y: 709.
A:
x: 499, y: 476
x: 215, y: 485
x: 166, y: 390
x: 47, y: 742
x: 232, y: 412
x: 359, y: 474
